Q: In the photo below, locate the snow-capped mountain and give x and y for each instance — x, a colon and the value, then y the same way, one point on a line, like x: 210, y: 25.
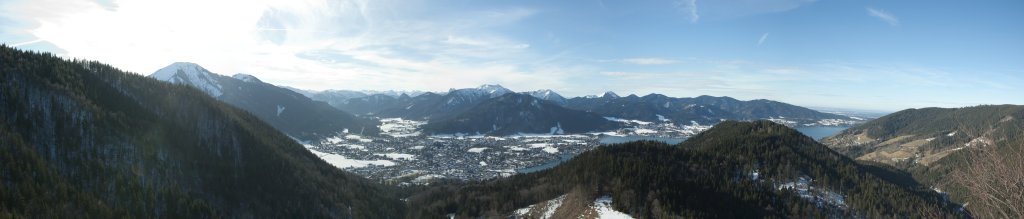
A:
x: 286, y: 110
x: 468, y: 95
x: 191, y: 74
x: 609, y: 94
x: 549, y: 95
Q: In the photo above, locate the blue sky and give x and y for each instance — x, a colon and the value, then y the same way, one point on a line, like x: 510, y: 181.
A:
x: 882, y: 55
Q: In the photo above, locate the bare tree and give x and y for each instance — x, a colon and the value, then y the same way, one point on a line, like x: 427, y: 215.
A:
x: 994, y: 181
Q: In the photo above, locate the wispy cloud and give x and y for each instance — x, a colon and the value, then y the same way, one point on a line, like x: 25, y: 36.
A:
x: 884, y: 16
x: 763, y: 38
x: 689, y: 7
x: 649, y: 61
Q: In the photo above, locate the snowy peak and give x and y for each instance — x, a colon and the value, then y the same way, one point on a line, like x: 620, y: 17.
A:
x: 494, y: 90
x: 609, y: 94
x: 547, y: 94
x: 247, y: 78
x: 467, y: 95
x: 191, y: 74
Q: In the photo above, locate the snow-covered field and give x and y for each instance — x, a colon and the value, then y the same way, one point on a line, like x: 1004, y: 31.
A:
x: 344, y: 163
x: 398, y: 127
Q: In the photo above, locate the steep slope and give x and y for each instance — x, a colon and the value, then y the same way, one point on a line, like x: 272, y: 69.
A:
x: 702, y: 109
x: 83, y: 139
x: 734, y: 170
x: 954, y: 150
x: 519, y: 113
x: 923, y: 136
x: 286, y: 110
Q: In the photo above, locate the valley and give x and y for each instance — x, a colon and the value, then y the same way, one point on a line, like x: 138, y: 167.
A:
x: 403, y: 155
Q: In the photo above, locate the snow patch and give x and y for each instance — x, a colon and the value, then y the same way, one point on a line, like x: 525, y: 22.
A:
x: 549, y: 208
x: 344, y: 163
x: 279, y: 110
x: 477, y: 150
x: 603, y: 206
x: 557, y: 130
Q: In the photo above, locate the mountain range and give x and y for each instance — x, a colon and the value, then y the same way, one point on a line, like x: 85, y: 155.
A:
x: 311, y: 115
x: 288, y: 111
x: 652, y: 108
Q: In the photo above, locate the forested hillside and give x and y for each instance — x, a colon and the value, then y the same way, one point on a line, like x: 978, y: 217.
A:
x: 84, y: 139
x: 976, y: 154
x: 734, y: 170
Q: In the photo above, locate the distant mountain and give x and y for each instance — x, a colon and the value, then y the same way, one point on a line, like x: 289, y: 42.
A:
x: 548, y: 95
x: 654, y: 107
x: 286, y: 110
x: 426, y: 106
x: 83, y: 139
x: 340, y: 98
x: 519, y: 113
x: 702, y: 109
x: 734, y: 170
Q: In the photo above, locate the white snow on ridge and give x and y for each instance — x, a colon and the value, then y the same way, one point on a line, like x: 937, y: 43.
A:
x: 245, y: 77
x: 279, y: 110
x: 190, y: 74
x: 477, y: 150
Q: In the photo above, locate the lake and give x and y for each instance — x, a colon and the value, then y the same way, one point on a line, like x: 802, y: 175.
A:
x: 819, y: 132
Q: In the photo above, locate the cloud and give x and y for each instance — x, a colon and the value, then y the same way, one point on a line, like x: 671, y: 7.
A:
x: 763, y: 38
x: 649, y: 61
x: 884, y: 16
x: 689, y: 7
x: 313, y: 44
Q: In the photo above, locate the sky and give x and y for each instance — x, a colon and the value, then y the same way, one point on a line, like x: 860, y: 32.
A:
x: 869, y: 54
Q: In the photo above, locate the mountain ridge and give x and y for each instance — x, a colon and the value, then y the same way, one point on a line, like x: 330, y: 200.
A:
x: 287, y: 110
